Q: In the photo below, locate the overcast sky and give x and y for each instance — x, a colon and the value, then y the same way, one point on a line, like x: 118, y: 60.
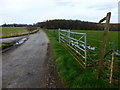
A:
x: 32, y: 11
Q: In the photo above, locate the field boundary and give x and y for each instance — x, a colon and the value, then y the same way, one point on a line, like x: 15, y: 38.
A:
x: 74, y: 76
x: 35, y: 31
x: 94, y: 58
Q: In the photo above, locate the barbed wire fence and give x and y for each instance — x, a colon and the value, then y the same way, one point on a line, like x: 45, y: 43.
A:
x: 112, y: 61
x: 102, y: 56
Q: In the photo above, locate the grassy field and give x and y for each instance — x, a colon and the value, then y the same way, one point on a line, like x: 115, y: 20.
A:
x: 7, y: 32
x: 96, y: 36
x: 13, y: 31
x: 70, y: 71
x: 10, y: 31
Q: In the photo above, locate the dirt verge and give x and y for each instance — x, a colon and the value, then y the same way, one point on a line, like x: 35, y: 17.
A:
x: 51, y: 77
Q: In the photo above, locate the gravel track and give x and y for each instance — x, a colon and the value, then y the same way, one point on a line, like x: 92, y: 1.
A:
x: 30, y: 65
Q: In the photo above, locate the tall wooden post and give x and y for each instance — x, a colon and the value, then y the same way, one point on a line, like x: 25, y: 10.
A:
x: 106, y: 29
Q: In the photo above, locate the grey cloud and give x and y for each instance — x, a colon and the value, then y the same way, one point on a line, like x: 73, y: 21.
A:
x: 107, y: 6
x: 119, y: 12
x: 71, y: 4
x: 28, y: 11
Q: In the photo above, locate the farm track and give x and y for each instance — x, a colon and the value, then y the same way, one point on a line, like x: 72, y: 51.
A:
x: 30, y: 65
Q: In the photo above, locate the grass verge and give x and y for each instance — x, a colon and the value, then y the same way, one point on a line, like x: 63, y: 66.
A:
x: 6, y: 45
x: 35, y: 31
x: 71, y: 72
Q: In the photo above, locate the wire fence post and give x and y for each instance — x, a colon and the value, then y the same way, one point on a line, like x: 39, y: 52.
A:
x: 85, y: 50
x: 106, y: 29
x: 59, y: 34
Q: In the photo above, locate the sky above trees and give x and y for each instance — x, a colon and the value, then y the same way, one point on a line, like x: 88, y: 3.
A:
x: 32, y: 11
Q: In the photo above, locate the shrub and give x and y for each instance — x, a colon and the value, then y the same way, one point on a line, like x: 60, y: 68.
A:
x: 31, y: 28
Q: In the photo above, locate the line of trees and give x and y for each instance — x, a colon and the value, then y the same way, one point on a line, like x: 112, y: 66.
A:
x: 75, y: 25
x: 68, y: 24
x: 31, y: 28
x: 15, y: 25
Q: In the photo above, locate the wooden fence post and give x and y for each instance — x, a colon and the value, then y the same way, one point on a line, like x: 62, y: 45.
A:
x: 106, y: 29
x: 111, y: 67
